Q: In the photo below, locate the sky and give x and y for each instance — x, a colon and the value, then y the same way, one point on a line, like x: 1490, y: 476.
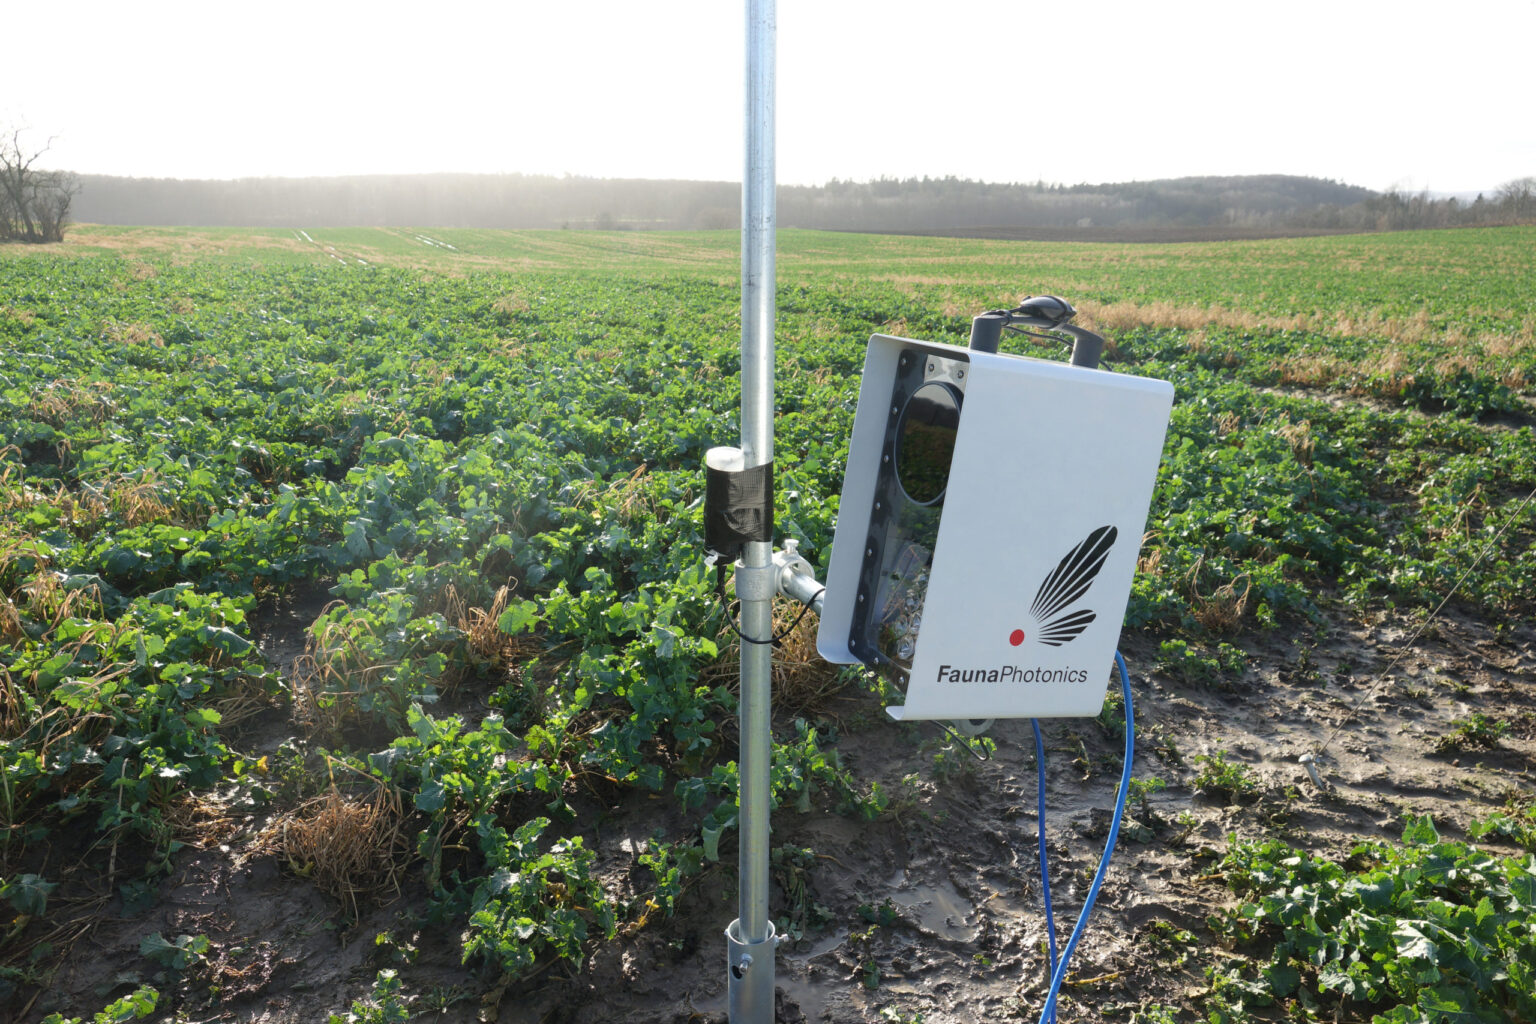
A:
x: 1410, y: 94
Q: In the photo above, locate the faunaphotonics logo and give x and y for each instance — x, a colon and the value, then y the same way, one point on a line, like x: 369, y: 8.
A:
x: 1052, y: 622
x: 1011, y: 674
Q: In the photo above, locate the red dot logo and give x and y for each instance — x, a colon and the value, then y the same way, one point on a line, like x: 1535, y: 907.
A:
x: 1016, y: 637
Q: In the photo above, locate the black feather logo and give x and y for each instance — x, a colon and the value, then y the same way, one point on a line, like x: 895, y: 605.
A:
x: 1070, y: 580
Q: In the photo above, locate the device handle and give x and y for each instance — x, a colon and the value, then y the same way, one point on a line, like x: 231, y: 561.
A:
x: 1047, y: 312
x: 1086, y: 345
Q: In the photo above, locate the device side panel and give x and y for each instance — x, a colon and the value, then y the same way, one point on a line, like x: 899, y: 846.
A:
x: 1049, y: 489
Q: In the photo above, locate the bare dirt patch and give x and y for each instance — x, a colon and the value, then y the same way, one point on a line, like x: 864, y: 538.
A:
x: 936, y: 908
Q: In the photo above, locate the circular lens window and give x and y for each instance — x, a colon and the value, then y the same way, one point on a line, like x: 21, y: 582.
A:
x: 925, y: 441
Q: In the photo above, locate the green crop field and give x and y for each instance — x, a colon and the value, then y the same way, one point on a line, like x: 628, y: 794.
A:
x: 374, y: 555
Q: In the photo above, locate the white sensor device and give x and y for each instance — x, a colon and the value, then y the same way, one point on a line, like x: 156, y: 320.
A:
x: 989, y: 528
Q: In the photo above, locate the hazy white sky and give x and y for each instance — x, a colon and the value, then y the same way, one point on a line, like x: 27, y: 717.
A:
x: 1409, y: 94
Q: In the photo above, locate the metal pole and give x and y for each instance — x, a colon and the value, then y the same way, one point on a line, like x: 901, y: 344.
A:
x: 750, y: 938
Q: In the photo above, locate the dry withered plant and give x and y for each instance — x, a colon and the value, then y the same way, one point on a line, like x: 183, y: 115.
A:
x: 352, y: 845
x: 1221, y: 611
x: 804, y: 683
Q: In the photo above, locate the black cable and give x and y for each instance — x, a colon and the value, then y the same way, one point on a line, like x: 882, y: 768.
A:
x: 1040, y: 337
x: 776, y: 641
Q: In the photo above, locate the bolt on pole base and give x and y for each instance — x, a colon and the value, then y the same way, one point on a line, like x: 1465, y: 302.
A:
x: 751, y: 969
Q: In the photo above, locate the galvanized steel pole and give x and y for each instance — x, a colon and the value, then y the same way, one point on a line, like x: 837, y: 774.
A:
x: 750, y: 938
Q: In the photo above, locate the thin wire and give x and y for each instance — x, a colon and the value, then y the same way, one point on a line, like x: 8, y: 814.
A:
x: 1402, y: 651
x: 1048, y: 1015
x: 1045, y: 872
x: 730, y: 619
x: 1036, y: 334
x: 964, y: 741
x: 1067, y: 341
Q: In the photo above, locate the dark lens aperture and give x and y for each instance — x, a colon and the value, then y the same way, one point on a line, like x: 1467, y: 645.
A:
x: 925, y: 442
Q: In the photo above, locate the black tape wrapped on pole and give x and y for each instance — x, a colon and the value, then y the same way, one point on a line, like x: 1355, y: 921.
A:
x: 738, y: 504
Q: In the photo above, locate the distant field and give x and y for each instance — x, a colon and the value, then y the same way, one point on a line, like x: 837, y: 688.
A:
x: 357, y: 656
x: 1466, y: 283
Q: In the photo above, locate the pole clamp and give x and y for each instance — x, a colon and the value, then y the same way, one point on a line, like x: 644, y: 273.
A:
x: 796, y: 578
x: 755, y: 582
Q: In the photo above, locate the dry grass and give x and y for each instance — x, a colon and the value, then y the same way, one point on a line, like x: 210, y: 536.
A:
x: 1299, y: 437
x: 1198, y: 343
x: 486, y: 641
x: 488, y: 646
x: 13, y: 717
x: 331, y: 674
x: 1503, y: 346
x: 511, y: 305
x: 353, y: 847
x: 631, y: 498
x: 136, y: 500
x: 63, y: 402
x: 11, y: 631
x: 134, y: 333
x: 59, y: 726
x: 627, y: 496
x: 341, y: 665
x: 242, y: 699
x: 44, y: 598
x: 201, y: 820
x: 182, y: 246
x: 1312, y: 370
x: 1420, y: 327
x: 1221, y: 611
x: 139, y: 502
x: 803, y: 682
x: 1125, y: 315
x: 1151, y: 563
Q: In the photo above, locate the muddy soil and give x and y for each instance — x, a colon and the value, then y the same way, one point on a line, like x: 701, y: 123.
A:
x: 933, y: 912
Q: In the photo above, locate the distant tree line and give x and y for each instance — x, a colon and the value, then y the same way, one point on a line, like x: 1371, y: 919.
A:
x: 1242, y: 206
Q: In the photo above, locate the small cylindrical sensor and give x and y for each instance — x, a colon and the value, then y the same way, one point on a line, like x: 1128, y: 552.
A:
x: 738, y: 503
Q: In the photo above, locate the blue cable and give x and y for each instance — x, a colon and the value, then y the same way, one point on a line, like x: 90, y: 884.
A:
x: 1059, y: 968
x: 1045, y: 874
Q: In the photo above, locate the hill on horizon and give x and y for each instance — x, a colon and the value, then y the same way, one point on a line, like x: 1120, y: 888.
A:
x: 1210, y: 205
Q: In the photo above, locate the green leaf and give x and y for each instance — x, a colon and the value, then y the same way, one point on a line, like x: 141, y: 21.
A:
x: 1421, y: 832
x: 122, y: 562
x: 139, y: 1003
x: 355, y: 535
x: 1375, y: 895
x: 225, y: 640
x: 1453, y: 1004
x: 518, y: 617
x: 76, y: 695
x: 666, y: 641
x: 711, y: 843
x: 431, y: 797
x: 1413, y: 944
x: 1335, y: 978
x: 177, y: 954
x: 1283, y: 979
x: 202, y: 718
x: 1523, y: 887
x: 28, y: 894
